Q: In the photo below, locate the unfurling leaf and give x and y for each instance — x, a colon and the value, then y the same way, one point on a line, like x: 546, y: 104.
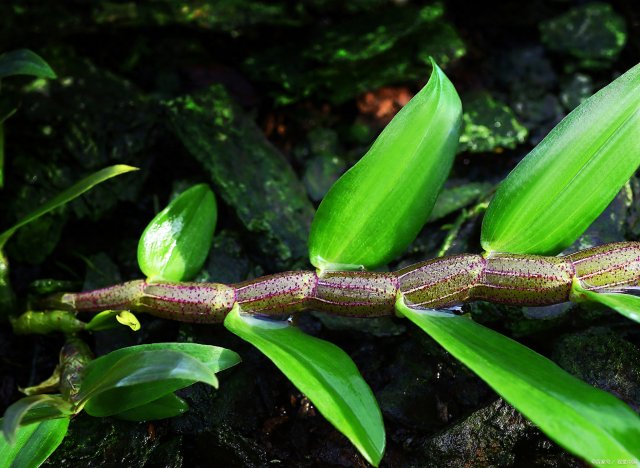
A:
x: 558, y: 189
x: 586, y: 421
x: 176, y: 242
x: 108, y: 319
x: 324, y: 373
x: 376, y: 209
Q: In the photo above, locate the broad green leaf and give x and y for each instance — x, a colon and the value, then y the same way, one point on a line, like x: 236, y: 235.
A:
x: 215, y: 358
x: 33, y: 409
x: 558, y: 189
x: 376, y: 209
x: 175, y: 244
x: 166, y: 406
x: 24, y: 62
x: 33, y: 444
x: 108, y: 319
x: 625, y: 304
x: 587, y: 422
x: 67, y: 195
x: 138, y: 378
x: 324, y: 373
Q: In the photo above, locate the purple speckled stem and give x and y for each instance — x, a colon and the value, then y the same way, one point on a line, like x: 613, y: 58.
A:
x: 529, y: 280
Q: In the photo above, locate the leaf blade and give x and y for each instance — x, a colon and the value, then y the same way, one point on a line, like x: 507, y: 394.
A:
x: 24, y: 62
x: 175, y: 244
x: 34, y: 443
x: 137, y: 379
x: 67, y: 195
x: 587, y: 422
x: 324, y: 373
x: 624, y: 304
x: 376, y: 209
x: 564, y: 183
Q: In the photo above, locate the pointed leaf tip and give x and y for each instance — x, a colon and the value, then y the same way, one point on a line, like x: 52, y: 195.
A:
x: 565, y: 182
x: 376, y: 209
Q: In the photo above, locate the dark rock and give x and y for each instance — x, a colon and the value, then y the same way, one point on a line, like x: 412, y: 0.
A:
x: 489, y: 125
x: 496, y: 435
x: 592, y: 33
x: 247, y: 171
x: 603, y: 359
x: 104, y: 442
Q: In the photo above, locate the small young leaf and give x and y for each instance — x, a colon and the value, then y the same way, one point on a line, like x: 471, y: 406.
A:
x: 166, y: 406
x: 33, y: 443
x: 376, y: 209
x: 33, y: 409
x: 559, y: 188
x: 137, y: 379
x: 108, y: 319
x: 176, y: 242
x: 587, y: 422
x: 624, y: 304
x: 24, y: 62
x: 324, y: 373
x: 67, y: 195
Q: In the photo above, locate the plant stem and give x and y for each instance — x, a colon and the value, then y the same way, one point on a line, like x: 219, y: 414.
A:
x: 526, y: 280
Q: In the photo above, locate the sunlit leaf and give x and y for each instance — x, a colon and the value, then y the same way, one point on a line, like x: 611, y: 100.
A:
x: 625, y: 304
x: 108, y: 319
x: 325, y: 374
x: 167, y: 406
x: 587, y: 422
x: 175, y: 244
x: 376, y: 209
x: 33, y: 409
x: 24, y: 62
x: 137, y: 379
x: 559, y: 188
x: 33, y: 443
x: 67, y: 195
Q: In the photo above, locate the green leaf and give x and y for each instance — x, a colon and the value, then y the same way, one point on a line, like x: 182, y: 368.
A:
x: 214, y: 358
x: 138, y: 378
x: 558, y: 189
x: 108, y: 319
x: 625, y: 304
x: 176, y: 242
x: 24, y: 62
x: 166, y: 406
x: 33, y: 409
x: 33, y: 443
x: 42, y: 323
x: 324, y: 373
x: 67, y: 195
x: 587, y: 422
x: 376, y: 209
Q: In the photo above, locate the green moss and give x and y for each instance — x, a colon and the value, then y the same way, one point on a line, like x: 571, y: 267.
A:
x: 489, y: 125
x: 592, y: 33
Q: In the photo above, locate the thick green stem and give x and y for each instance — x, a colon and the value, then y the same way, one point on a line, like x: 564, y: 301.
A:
x: 528, y: 280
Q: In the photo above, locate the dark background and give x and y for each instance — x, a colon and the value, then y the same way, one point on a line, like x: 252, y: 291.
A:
x: 269, y: 102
